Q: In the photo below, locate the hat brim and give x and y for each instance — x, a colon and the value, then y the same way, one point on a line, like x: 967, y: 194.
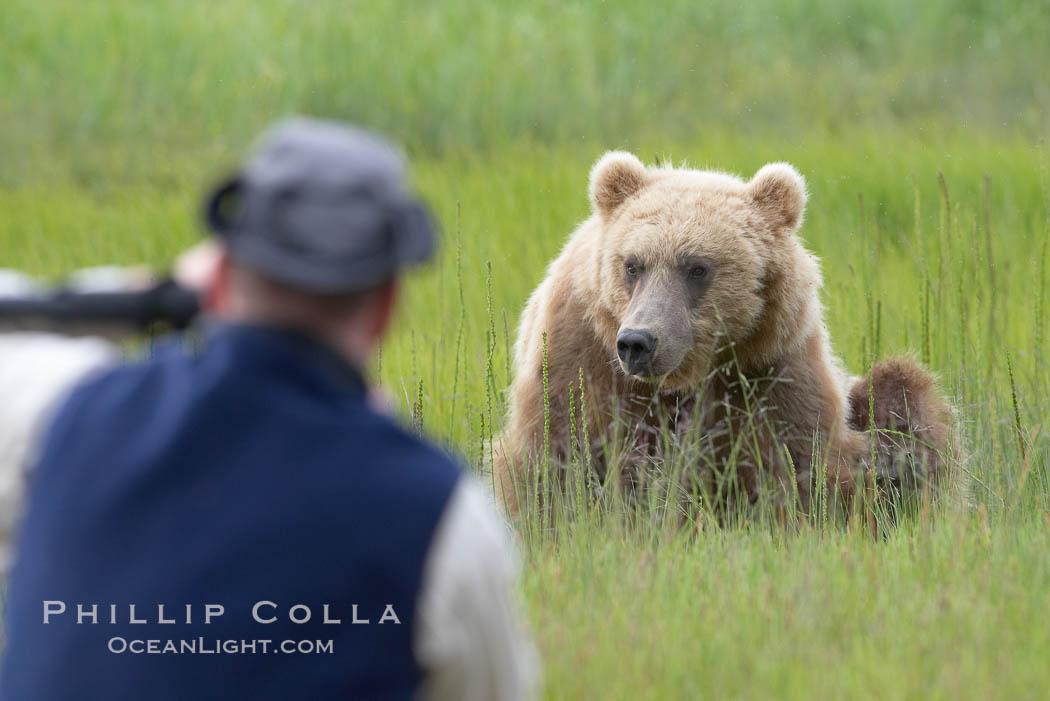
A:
x: 218, y: 204
x: 415, y: 234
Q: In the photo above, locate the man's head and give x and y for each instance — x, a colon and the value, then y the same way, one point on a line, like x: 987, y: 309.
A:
x: 313, y: 232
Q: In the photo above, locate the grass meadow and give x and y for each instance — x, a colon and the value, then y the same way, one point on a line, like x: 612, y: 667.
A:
x: 920, y: 129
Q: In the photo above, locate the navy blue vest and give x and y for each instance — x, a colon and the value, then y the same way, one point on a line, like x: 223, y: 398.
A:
x: 250, y: 476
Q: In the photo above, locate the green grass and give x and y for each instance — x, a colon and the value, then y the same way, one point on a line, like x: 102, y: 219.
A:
x: 114, y: 117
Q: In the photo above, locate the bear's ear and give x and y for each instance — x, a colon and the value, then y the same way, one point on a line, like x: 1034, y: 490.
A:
x: 616, y: 176
x: 780, y: 192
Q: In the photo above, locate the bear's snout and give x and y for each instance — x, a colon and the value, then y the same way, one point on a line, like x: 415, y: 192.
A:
x: 636, y: 348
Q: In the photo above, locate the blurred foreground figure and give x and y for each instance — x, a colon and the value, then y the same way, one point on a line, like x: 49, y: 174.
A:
x: 36, y: 373
x: 237, y: 520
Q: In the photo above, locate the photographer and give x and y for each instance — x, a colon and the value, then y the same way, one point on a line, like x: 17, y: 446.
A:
x: 249, y: 491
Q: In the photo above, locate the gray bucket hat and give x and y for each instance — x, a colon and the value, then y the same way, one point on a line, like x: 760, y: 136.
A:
x: 323, y: 207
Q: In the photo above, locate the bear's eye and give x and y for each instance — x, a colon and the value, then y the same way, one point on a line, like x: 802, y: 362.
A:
x: 632, y: 268
x: 698, y: 272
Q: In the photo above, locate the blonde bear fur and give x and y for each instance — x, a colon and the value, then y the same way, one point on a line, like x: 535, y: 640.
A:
x: 688, y: 287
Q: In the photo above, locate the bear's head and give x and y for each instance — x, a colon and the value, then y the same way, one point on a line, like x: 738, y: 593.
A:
x: 698, y: 265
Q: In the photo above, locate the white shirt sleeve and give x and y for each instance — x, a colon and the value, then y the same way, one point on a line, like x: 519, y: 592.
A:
x: 37, y: 371
x: 468, y: 635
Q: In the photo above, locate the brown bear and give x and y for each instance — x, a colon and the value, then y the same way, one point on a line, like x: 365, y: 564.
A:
x: 689, y: 291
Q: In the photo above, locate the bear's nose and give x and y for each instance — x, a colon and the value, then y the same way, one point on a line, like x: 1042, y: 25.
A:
x: 635, y: 349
